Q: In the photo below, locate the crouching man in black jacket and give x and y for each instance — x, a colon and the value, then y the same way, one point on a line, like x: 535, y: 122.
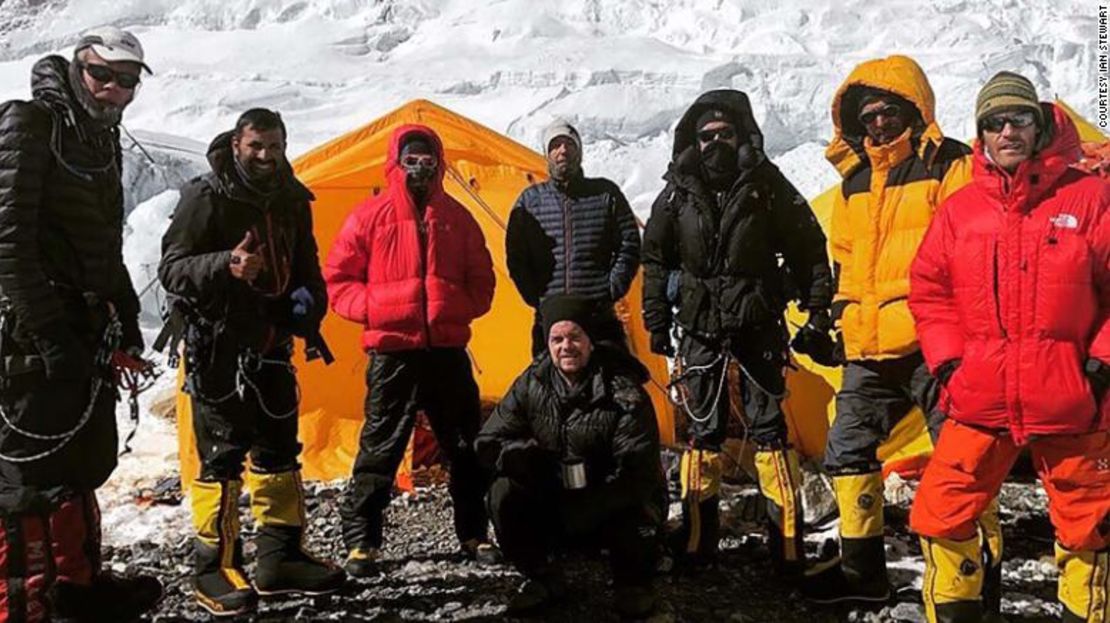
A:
x: 575, y: 450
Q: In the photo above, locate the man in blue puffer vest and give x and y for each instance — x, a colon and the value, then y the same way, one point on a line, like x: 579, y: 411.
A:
x: 572, y: 234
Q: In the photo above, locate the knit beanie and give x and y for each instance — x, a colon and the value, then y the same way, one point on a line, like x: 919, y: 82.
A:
x: 1008, y: 91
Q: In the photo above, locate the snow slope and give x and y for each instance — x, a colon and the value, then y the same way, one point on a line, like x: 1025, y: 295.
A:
x: 621, y: 71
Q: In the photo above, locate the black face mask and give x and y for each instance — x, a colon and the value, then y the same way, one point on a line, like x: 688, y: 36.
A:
x: 719, y: 164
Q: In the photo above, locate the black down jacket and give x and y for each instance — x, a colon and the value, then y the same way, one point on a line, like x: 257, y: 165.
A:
x: 607, y: 422
x: 61, y: 213
x: 213, y: 215
x: 61, y: 266
x: 731, y: 252
x: 579, y: 238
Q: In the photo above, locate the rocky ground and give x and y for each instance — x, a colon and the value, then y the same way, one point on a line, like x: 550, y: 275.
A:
x: 424, y: 579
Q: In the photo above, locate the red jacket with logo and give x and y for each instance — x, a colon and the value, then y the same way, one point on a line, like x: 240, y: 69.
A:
x: 1013, y: 279
x: 407, y: 289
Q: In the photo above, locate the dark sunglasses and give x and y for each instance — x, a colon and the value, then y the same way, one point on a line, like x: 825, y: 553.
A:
x: 723, y: 134
x: 423, y: 161
x: 1017, y: 120
x: 888, y: 111
x: 104, y: 74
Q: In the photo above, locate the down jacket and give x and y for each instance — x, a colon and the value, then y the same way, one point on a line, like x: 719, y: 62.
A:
x: 580, y: 238
x: 725, y: 247
x: 884, y: 207
x: 608, y: 422
x: 61, y: 211
x: 411, y: 283
x: 1013, y: 280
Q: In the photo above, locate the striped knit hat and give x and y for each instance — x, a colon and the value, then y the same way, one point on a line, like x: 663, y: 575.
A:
x: 1007, y: 90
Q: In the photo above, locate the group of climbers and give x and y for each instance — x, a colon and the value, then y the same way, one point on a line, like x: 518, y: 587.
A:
x: 973, y: 284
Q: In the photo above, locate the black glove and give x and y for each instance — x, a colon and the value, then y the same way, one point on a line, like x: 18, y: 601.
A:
x: 946, y: 370
x: 524, y: 461
x: 301, y: 312
x: 63, y: 355
x: 661, y: 344
x: 1098, y: 375
x: 813, y: 339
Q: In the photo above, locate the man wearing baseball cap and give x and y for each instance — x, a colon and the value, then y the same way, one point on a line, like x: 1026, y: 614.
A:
x: 1010, y: 292
x: 68, y: 316
x: 572, y: 234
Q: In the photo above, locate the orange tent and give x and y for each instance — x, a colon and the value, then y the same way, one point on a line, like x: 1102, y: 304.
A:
x: 486, y: 173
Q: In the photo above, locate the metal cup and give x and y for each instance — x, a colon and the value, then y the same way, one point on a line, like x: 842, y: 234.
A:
x: 574, y: 474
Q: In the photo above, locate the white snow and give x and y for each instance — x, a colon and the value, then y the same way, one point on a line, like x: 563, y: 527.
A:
x: 622, y: 71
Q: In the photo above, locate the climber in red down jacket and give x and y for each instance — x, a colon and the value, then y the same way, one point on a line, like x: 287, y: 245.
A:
x: 1011, y: 294
x: 411, y: 266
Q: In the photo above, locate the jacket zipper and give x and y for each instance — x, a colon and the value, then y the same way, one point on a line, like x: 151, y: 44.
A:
x: 422, y: 236
x: 568, y: 237
x: 997, y: 297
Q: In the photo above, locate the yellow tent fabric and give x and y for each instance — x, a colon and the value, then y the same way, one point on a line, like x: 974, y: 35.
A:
x: 486, y: 173
x: 812, y: 386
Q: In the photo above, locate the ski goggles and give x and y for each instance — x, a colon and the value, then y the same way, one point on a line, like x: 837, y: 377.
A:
x: 421, y: 161
x: 1017, y: 120
x: 104, y: 75
x: 726, y: 133
x: 889, y: 111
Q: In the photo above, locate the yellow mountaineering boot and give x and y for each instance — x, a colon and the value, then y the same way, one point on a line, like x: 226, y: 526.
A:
x: 861, y: 575
x: 277, y: 502
x: 780, y: 481
x: 219, y: 583
x: 953, y: 584
x: 1084, y: 585
x: 700, y: 477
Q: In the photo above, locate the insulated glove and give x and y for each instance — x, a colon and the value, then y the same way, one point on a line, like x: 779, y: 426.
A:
x: 1098, y: 375
x: 301, y: 312
x: 63, y: 355
x: 813, y: 339
x: 946, y: 370
x: 661, y: 344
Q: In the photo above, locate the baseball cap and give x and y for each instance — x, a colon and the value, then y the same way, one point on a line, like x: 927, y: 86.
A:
x: 113, y: 44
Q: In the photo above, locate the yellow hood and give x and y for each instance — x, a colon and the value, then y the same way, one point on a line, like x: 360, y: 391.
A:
x: 900, y: 75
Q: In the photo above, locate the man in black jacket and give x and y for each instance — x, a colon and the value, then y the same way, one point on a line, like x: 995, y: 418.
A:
x: 574, y: 446
x: 712, y: 248
x: 240, y: 261
x: 67, y: 312
x: 572, y: 235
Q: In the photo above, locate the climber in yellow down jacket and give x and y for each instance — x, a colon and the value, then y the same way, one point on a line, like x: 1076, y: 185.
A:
x: 897, y: 167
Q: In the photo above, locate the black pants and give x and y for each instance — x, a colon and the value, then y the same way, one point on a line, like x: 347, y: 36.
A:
x: 529, y: 530
x: 44, y: 406
x: 608, y: 329
x: 874, y: 396
x: 439, y: 381
x: 262, y: 422
x: 762, y: 356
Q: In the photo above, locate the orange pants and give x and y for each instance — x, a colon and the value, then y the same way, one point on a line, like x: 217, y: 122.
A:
x: 970, y: 464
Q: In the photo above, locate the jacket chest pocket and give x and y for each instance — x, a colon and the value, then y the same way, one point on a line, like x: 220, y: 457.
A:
x: 445, y: 249
x: 1065, y: 298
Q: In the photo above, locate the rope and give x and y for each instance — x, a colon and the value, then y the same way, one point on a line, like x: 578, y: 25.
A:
x: 108, y: 344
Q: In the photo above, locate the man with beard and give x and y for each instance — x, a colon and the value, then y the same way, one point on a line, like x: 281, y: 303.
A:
x: 572, y: 235
x: 239, y: 261
x: 410, y: 265
x: 68, y: 312
x: 716, y: 232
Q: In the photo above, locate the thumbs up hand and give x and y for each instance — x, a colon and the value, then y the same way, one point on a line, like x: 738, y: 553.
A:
x: 246, y: 261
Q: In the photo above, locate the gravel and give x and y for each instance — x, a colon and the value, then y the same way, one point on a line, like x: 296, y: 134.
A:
x: 424, y: 578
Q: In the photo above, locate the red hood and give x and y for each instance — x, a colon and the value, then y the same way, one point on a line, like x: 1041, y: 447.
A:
x: 395, y: 174
x: 1034, y: 176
